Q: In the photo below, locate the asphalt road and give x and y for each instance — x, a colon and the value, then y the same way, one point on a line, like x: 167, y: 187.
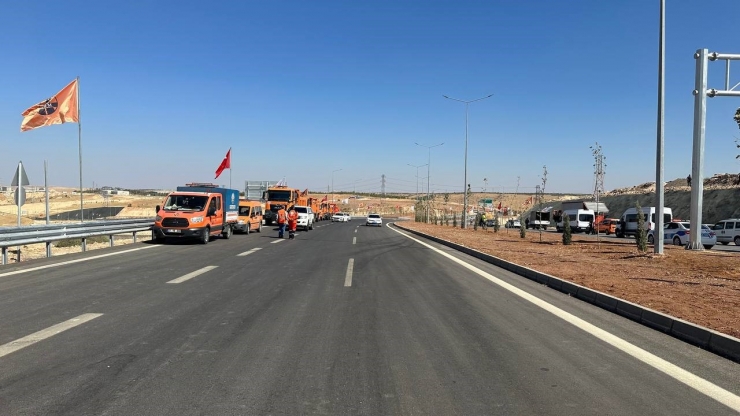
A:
x: 344, y: 320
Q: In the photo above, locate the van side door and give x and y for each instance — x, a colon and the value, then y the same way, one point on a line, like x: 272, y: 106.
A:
x: 727, y: 231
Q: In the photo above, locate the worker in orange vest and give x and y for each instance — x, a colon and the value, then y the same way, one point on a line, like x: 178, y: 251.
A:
x: 282, y: 220
x: 292, y: 222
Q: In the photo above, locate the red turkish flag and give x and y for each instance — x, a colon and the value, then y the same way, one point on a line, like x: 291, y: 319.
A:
x: 226, y: 163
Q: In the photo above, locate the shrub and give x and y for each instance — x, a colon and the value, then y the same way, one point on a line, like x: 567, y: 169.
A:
x: 567, y: 235
x: 78, y: 241
x: 640, y: 235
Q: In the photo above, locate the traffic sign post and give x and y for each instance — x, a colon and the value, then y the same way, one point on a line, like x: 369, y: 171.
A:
x: 701, y: 92
x: 20, y: 179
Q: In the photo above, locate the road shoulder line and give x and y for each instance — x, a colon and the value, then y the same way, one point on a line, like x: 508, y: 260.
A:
x: 705, y: 338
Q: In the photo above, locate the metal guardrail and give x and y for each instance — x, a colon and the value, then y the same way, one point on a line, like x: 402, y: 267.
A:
x: 48, y: 233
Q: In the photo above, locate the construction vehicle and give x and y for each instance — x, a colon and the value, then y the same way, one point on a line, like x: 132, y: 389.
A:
x: 197, y: 210
x: 276, y: 196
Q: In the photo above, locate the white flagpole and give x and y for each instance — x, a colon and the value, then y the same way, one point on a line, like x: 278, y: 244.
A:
x: 230, y: 168
x: 79, y: 147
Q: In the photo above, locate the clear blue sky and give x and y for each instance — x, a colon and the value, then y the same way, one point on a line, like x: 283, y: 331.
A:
x: 299, y: 89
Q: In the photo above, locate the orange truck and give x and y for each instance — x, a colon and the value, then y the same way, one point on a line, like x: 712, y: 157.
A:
x: 315, y: 205
x: 197, y: 210
x: 275, y: 196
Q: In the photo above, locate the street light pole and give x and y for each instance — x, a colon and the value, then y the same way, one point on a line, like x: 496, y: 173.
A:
x: 332, y: 184
x: 465, y: 197
x: 429, y: 164
x: 417, y: 177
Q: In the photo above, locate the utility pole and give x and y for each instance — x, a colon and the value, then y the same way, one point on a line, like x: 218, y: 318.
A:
x: 382, y: 190
x: 598, y: 181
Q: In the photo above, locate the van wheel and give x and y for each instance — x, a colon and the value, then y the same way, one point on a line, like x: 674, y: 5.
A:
x: 205, y: 237
x: 737, y: 240
x: 248, y: 229
x: 226, y: 234
x: 259, y: 228
x: 651, y: 240
x: 676, y: 241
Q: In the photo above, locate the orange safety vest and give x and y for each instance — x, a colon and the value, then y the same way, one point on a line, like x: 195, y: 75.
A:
x: 292, y: 215
x: 281, y: 216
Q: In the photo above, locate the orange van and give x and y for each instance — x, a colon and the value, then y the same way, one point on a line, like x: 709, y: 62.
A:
x: 250, y: 216
x: 607, y: 226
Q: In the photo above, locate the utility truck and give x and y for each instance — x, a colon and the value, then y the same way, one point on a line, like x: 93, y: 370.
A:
x: 199, y: 211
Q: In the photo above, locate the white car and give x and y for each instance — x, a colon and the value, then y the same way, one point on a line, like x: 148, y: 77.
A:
x: 374, y: 219
x: 678, y: 234
x: 305, y: 217
x: 347, y: 216
x: 339, y: 217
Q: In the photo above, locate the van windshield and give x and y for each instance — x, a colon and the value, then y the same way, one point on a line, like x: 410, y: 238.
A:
x: 244, y: 210
x: 185, y: 203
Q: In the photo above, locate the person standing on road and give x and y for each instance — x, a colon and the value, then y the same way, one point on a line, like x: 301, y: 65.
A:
x: 292, y: 222
x: 688, y: 180
x: 282, y: 220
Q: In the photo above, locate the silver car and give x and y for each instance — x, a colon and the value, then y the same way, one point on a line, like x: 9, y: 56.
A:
x: 374, y: 219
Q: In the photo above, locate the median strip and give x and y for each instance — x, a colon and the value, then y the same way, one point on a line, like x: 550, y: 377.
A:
x: 24, y: 342
x: 192, y: 274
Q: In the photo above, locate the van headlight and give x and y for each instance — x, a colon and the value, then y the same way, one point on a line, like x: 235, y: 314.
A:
x: 196, y: 220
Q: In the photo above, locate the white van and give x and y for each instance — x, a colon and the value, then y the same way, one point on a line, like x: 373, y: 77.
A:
x: 579, y: 219
x: 628, y: 221
x: 728, y: 231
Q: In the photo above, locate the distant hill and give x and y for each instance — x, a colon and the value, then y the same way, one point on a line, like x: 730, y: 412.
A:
x: 721, y: 198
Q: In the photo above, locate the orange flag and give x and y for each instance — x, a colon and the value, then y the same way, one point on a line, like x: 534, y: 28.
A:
x: 59, y: 109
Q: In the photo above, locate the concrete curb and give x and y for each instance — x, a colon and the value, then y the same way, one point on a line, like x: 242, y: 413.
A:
x: 708, y: 339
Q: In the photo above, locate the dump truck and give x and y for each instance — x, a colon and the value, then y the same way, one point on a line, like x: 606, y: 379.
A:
x: 197, y: 210
x: 276, y: 196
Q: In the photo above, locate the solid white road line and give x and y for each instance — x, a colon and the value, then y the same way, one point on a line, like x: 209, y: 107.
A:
x: 348, y: 275
x: 246, y: 253
x: 355, y: 229
x: 48, y: 266
x: 699, y: 384
x: 20, y: 343
x: 277, y: 241
x: 192, y: 274
x: 354, y: 240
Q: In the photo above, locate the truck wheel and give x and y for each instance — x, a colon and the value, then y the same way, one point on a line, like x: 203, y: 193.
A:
x: 310, y: 226
x: 226, y: 234
x: 156, y: 238
x: 205, y: 236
